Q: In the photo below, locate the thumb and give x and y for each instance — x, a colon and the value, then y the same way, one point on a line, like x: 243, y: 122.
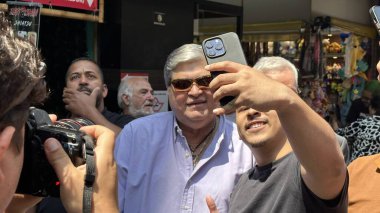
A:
x: 211, y: 204
x: 57, y: 157
x: 95, y: 92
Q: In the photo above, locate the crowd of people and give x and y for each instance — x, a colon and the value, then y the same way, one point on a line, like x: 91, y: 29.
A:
x: 279, y: 155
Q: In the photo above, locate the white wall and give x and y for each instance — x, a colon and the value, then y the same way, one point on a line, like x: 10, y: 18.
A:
x: 232, y: 2
x: 261, y: 11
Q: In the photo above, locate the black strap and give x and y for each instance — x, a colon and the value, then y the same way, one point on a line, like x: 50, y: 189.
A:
x: 89, y: 178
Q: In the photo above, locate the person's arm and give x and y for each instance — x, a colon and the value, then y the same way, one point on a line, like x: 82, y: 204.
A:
x: 122, y: 154
x: 311, y: 137
x: 72, y: 178
x: 84, y: 105
x: 22, y: 203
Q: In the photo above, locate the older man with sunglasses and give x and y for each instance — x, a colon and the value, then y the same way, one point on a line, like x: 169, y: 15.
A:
x: 169, y: 162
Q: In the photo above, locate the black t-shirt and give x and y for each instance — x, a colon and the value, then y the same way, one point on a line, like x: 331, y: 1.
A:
x: 278, y: 187
x: 117, y: 119
x: 357, y: 107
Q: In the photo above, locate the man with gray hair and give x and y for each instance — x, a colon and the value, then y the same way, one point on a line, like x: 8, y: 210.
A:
x: 135, y: 96
x: 168, y: 162
x: 273, y: 66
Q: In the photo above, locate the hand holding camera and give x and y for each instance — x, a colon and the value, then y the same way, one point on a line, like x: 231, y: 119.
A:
x: 71, y: 178
x: 54, y: 148
x: 38, y: 177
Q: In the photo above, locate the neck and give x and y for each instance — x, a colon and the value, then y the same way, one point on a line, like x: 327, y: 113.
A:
x: 100, y: 105
x: 265, y: 155
x: 197, y: 136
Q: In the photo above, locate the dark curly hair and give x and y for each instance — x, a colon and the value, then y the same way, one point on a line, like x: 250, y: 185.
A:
x: 22, y: 72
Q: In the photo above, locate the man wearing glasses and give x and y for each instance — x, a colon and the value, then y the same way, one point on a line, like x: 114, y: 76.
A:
x: 170, y: 161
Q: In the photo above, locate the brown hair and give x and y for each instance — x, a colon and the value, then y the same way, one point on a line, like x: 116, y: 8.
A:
x: 22, y: 81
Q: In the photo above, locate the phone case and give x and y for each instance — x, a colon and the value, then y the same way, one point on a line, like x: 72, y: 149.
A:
x: 232, y: 49
x: 375, y: 14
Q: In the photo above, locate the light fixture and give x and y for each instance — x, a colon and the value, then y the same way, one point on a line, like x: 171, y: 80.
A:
x: 329, y: 34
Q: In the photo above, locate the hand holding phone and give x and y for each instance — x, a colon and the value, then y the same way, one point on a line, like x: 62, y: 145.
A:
x: 224, y: 47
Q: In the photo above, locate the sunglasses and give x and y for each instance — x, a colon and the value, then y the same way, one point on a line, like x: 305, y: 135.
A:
x: 184, y: 85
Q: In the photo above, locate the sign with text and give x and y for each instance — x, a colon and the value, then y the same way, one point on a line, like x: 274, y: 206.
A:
x: 161, y: 101
x: 77, y: 4
x: 25, y: 18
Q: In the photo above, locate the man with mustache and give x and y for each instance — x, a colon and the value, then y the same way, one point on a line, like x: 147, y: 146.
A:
x: 169, y: 161
x: 300, y: 167
x: 22, y: 85
x: 85, y: 92
x: 84, y: 97
x: 135, y: 96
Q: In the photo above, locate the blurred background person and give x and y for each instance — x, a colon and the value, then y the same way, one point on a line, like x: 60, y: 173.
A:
x: 85, y: 92
x: 135, y: 96
x: 359, y: 107
x: 364, y: 134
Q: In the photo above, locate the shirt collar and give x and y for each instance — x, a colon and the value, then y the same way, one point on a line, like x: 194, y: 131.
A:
x: 178, y: 131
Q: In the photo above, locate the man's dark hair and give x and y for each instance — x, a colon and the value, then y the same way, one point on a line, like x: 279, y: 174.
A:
x: 22, y: 81
x: 85, y: 59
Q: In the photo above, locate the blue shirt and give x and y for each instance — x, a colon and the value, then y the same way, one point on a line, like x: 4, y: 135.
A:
x: 156, y: 173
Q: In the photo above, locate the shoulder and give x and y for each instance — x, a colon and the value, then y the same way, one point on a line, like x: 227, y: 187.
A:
x: 154, y: 119
x: 365, y: 162
x: 117, y: 119
x: 152, y: 122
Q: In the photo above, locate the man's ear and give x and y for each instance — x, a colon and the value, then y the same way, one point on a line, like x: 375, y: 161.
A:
x: 125, y: 99
x: 5, y: 139
x: 104, y: 91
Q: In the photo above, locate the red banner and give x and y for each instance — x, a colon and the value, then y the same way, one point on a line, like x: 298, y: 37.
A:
x: 77, y: 4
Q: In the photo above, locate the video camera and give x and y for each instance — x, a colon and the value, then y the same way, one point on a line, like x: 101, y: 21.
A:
x: 37, y: 176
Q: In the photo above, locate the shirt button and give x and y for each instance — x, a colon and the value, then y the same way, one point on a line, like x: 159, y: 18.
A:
x: 187, y: 155
x: 186, y: 208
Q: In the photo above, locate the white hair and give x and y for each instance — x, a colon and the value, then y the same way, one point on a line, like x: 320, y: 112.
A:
x: 276, y: 63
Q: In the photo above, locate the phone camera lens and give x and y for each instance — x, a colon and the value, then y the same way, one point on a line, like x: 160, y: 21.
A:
x: 219, y: 46
x: 209, y: 45
x: 211, y: 52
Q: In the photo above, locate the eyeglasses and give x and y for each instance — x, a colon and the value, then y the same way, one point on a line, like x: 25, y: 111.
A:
x: 184, y: 85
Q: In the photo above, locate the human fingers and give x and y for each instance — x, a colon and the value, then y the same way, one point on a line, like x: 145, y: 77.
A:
x: 223, y: 79
x: 53, y: 117
x: 227, y: 66
x: 226, y: 90
x: 95, y: 92
x: 105, y: 185
x: 71, y: 179
x: 211, y: 204
x: 229, y: 108
x: 104, y: 136
x: 378, y: 70
x: 57, y: 157
x: 22, y: 203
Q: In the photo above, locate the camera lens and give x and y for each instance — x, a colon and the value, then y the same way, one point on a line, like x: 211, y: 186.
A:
x: 73, y: 124
x: 209, y: 45
x: 219, y: 46
x: 211, y: 52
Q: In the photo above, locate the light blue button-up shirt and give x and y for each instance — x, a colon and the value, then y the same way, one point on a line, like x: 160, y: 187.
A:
x: 156, y: 173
